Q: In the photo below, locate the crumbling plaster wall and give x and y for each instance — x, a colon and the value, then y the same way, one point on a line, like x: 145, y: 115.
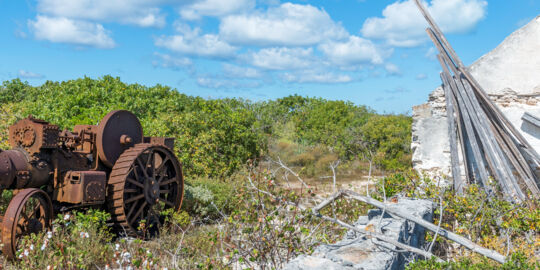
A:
x: 510, y: 74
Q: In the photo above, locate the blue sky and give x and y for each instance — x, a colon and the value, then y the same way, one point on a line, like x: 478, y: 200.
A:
x: 370, y: 52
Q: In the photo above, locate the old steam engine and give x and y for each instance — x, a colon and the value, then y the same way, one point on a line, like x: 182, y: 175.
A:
x: 111, y: 165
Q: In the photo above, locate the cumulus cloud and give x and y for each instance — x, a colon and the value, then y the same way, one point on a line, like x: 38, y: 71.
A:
x: 402, y: 24
x: 210, y: 82
x: 282, y: 58
x: 169, y: 61
x: 235, y: 71
x: 144, y: 13
x: 311, y: 76
x: 191, y: 42
x: 421, y: 76
x: 354, y: 51
x: 392, y: 69
x: 215, y: 8
x: 70, y: 31
x: 285, y: 25
x: 29, y: 75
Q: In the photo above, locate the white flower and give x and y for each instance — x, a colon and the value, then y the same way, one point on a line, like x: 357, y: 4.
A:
x: 49, y: 235
x: 84, y: 234
x: 26, y: 253
x: 49, y: 267
x: 107, y: 267
x: 129, y: 267
x: 125, y: 256
x: 66, y: 217
x: 117, y: 246
x: 32, y: 247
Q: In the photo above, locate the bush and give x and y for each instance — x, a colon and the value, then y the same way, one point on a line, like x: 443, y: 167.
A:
x: 490, y: 221
x: 213, y: 137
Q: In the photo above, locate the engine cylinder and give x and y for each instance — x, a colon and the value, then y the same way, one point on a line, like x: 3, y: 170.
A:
x: 15, y: 165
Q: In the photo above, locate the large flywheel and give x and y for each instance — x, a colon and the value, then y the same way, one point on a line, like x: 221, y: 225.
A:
x: 146, y: 180
x: 30, y: 211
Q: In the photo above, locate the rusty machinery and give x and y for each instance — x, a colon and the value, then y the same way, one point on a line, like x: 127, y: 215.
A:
x: 111, y: 165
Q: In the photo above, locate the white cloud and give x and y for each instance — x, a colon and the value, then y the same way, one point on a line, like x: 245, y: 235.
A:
x: 354, y: 51
x: 421, y: 76
x: 216, y: 8
x: 403, y: 25
x: 168, y: 61
x: 281, y: 58
x: 76, y: 32
x: 431, y: 54
x: 144, y: 13
x: 241, y: 72
x: 190, y: 42
x: 29, y: 75
x: 392, y: 69
x: 285, y: 25
x: 210, y: 82
x: 311, y: 76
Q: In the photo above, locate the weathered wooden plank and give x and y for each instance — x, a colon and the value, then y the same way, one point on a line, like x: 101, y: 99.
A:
x: 469, y: 130
x: 454, y: 158
x: 430, y: 226
x: 531, y: 119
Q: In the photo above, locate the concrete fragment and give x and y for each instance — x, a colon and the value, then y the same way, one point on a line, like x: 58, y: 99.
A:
x: 356, y: 251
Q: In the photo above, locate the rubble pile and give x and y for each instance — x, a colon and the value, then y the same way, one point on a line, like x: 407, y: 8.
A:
x: 356, y: 251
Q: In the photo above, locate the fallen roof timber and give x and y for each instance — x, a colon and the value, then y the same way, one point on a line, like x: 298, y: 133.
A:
x: 498, y: 150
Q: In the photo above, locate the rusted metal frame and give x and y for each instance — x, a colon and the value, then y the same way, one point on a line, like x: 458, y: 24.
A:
x: 454, y: 158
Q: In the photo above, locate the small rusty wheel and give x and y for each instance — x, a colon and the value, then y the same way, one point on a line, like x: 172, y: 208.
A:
x: 146, y: 180
x: 30, y: 211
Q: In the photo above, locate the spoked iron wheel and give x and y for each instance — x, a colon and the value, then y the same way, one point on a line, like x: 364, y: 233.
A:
x: 30, y: 211
x: 146, y: 180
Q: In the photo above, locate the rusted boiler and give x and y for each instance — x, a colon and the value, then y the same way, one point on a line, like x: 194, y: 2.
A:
x: 110, y: 166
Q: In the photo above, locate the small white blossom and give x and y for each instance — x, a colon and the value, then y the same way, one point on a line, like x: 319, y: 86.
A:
x: 84, y: 234
x: 49, y: 235
x: 66, y: 217
x: 125, y: 256
x: 49, y: 267
x: 26, y: 252
x: 32, y: 247
x: 117, y: 246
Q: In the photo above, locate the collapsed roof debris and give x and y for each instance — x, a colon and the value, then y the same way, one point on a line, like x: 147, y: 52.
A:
x: 480, y: 135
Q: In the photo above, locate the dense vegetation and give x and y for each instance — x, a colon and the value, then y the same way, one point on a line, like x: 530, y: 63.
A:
x: 233, y: 151
x: 215, y: 137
